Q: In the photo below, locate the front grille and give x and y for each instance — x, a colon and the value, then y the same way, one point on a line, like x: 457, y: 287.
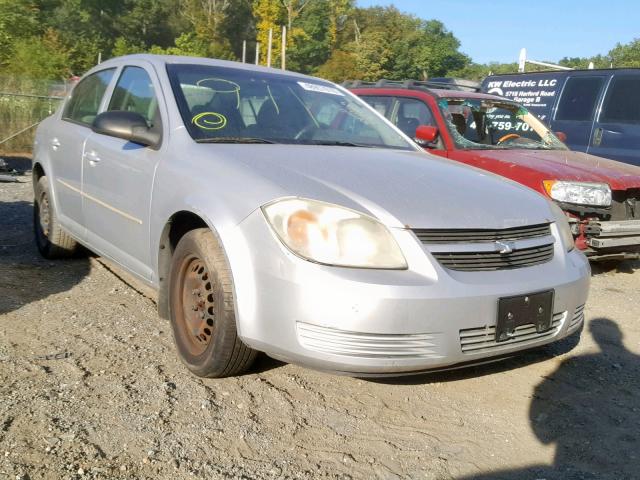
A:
x: 578, y: 316
x: 483, y: 339
x: 481, y: 235
x: 484, y: 261
x: 367, y: 345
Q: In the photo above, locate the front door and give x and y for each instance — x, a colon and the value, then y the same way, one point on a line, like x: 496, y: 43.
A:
x: 118, y: 179
x: 616, y: 133
x: 66, y: 145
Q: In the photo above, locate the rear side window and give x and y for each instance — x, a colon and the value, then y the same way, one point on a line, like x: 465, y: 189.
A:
x: 85, y: 100
x: 622, y: 103
x: 579, y: 98
x: 134, y: 92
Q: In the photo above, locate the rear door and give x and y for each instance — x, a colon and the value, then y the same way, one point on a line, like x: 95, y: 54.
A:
x: 66, y: 144
x: 576, y: 109
x: 617, y: 131
x: 118, y: 176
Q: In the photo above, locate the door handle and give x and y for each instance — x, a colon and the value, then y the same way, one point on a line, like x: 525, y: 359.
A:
x: 597, y: 136
x: 55, y: 143
x: 92, y: 157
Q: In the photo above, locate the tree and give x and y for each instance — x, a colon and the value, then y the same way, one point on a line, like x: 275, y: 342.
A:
x: 208, y: 18
x: 308, y: 44
x: 338, y: 14
x: 269, y: 15
x: 626, y: 55
x: 18, y: 20
x: 340, y: 66
x: 40, y: 58
x: 147, y: 22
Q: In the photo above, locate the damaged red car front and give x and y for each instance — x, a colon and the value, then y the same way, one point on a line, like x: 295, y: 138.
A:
x: 601, y: 197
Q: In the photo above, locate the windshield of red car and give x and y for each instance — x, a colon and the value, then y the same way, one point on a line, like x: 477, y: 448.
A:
x: 487, y: 124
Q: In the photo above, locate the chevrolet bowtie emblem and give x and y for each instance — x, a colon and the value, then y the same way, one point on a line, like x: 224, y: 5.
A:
x: 505, y: 248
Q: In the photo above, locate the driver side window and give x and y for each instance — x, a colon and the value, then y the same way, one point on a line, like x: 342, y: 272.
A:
x: 410, y: 113
x: 134, y: 92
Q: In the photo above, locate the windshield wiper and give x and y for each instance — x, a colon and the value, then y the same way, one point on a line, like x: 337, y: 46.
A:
x: 233, y: 140
x: 336, y: 143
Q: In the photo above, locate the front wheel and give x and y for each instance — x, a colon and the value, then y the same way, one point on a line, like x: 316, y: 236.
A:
x: 52, y: 241
x: 201, y: 303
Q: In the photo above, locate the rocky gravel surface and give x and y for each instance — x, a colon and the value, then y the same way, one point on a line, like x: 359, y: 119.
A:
x: 91, y: 388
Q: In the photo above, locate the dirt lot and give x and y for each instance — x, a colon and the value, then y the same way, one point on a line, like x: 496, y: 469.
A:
x: 90, y: 387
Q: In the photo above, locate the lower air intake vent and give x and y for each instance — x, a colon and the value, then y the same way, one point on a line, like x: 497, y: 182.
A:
x: 578, y: 316
x: 368, y: 345
x: 483, y: 339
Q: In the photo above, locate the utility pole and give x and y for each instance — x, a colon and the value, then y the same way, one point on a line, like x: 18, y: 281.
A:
x: 244, y: 51
x: 269, y: 47
x: 283, y: 60
x: 257, y: 53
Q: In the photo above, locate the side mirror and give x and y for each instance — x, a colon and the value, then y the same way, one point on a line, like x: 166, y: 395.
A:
x: 561, y: 136
x: 426, y: 134
x: 129, y: 126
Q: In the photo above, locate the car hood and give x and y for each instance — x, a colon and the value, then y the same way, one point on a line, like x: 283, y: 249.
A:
x: 402, y: 189
x: 567, y: 165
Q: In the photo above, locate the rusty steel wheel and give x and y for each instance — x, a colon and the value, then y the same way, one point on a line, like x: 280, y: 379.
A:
x: 52, y: 241
x: 202, y: 308
x: 197, y: 315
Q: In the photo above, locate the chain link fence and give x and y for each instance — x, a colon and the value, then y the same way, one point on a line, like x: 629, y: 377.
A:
x: 23, y: 104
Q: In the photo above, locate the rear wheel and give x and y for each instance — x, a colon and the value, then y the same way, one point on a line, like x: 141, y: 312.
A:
x: 52, y: 241
x: 202, y: 309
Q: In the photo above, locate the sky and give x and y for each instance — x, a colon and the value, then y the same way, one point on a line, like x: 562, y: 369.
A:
x: 496, y: 30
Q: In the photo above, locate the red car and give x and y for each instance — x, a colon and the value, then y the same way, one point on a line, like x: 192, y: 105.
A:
x: 601, y: 197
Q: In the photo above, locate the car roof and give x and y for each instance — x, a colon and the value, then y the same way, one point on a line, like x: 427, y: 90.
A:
x: 162, y: 60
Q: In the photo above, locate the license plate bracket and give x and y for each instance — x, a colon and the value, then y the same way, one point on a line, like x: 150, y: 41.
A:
x: 534, y: 308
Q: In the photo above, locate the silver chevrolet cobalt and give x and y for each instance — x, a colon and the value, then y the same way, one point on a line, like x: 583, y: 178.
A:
x: 277, y: 212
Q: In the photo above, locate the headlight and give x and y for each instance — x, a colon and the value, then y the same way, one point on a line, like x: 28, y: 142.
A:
x: 582, y: 193
x: 563, y: 227
x: 333, y: 235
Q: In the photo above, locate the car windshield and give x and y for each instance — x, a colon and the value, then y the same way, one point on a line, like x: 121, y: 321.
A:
x: 233, y: 105
x: 494, y: 124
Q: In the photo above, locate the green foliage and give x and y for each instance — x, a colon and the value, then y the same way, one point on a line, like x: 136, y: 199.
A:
x: 53, y: 59
x: 340, y: 66
x: 626, y: 55
x: 18, y: 20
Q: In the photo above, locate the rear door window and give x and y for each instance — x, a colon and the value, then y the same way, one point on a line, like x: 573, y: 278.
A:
x: 579, y: 98
x: 622, y: 103
x: 86, y: 98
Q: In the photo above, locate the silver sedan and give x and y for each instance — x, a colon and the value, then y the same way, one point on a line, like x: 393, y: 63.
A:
x: 277, y: 212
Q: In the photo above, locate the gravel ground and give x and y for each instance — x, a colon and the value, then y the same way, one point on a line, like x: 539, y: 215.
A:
x: 90, y: 387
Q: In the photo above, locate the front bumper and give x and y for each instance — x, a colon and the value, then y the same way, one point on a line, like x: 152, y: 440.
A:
x: 388, y: 321
x: 607, y: 239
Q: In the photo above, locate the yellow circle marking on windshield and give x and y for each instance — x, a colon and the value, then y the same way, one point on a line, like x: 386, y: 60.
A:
x: 209, y: 121
x: 220, y: 85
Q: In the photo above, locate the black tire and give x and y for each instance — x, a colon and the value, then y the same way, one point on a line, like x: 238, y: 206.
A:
x: 201, y: 305
x: 52, y: 241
